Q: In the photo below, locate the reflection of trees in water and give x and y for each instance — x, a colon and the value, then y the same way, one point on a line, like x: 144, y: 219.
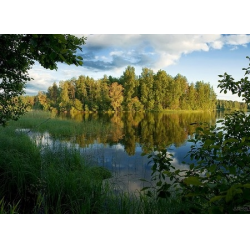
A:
x: 130, y: 131
x: 160, y: 129
x: 150, y: 130
x: 117, y: 132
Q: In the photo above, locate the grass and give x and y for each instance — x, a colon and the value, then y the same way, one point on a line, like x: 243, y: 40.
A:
x: 51, y: 182
x: 38, y: 179
x: 42, y: 121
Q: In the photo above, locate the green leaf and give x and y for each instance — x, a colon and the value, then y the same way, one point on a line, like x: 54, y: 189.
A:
x: 63, y: 51
x: 192, y: 166
x: 192, y: 180
x: 208, y: 142
x: 61, y: 56
x: 232, y: 170
x: 246, y: 185
x: 216, y: 198
x: 159, y: 183
x: 230, y: 140
x: 211, y: 185
x: 232, y: 191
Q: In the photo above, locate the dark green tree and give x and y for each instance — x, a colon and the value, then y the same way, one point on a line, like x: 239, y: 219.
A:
x: 18, y: 53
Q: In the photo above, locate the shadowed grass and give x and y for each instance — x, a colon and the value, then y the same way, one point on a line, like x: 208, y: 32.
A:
x: 19, y: 168
x: 7, y: 208
x: 139, y: 203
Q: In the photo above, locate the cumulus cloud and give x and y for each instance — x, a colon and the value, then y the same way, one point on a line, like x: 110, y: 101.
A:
x: 42, y: 79
x: 236, y: 39
x: 158, y: 51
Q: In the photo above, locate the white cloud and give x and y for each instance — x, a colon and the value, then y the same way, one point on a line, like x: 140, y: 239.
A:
x: 41, y: 79
x: 161, y: 42
x: 104, y: 41
x: 168, y: 49
x: 216, y: 44
x: 116, y: 53
x: 236, y: 39
x: 165, y: 60
x: 234, y: 48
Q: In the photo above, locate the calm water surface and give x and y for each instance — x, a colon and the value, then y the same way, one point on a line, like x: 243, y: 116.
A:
x: 120, y: 149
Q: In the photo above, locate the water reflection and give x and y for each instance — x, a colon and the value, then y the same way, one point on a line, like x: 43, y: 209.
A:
x: 146, y: 129
x: 130, y: 135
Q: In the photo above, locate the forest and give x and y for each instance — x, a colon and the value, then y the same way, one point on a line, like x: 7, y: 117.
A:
x: 148, y: 91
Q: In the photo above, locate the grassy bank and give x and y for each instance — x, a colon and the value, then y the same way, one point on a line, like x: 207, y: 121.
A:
x: 42, y: 121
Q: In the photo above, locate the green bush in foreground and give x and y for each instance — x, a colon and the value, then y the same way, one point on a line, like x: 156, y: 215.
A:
x: 219, y: 181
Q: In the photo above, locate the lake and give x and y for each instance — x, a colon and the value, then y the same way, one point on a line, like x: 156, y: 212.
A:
x: 126, y: 136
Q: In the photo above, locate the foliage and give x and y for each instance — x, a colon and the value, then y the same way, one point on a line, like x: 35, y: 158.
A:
x: 148, y: 92
x: 241, y: 87
x: 18, y: 53
x: 219, y: 180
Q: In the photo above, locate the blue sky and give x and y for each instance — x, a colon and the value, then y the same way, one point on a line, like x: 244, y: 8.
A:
x: 198, y: 57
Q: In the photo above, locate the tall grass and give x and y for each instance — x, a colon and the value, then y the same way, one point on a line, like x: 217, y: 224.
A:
x: 70, y: 185
x: 20, y: 164
x: 42, y: 121
x: 51, y: 182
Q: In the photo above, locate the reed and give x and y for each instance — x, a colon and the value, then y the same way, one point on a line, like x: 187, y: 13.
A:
x: 42, y: 121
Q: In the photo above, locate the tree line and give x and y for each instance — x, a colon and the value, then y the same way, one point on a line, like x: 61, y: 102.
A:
x: 148, y: 91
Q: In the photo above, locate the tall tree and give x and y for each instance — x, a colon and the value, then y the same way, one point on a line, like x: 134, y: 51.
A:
x: 161, y: 86
x: 177, y: 90
x: 129, y: 83
x: 146, y: 88
x: 192, y: 97
x: 116, y: 95
x: 18, y: 54
x: 81, y: 89
x: 53, y: 93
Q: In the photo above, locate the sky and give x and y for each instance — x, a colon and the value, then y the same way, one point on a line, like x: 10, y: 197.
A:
x: 197, y: 57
